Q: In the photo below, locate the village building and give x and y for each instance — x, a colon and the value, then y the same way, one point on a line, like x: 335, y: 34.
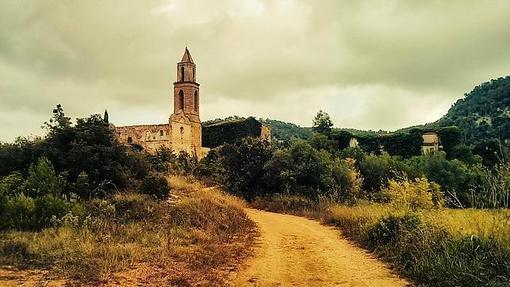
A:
x: 430, y: 142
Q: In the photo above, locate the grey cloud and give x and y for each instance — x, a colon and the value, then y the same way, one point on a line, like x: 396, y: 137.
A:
x: 282, y: 59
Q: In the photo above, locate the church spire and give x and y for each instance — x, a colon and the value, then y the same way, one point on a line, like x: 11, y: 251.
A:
x: 186, y: 58
x: 105, y: 117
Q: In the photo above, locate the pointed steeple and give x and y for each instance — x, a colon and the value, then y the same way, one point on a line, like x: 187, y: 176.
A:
x: 105, y: 117
x: 186, y: 58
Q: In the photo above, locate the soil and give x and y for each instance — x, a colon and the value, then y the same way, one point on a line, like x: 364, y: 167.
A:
x: 295, y: 251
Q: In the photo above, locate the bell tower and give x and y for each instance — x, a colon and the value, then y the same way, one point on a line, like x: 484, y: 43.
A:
x: 185, y: 124
x: 186, y: 89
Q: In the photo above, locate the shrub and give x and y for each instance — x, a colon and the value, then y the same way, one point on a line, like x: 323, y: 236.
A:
x: 451, y: 175
x: 42, y: 179
x: 12, y: 184
x: 131, y: 207
x: 303, y: 170
x: 378, y: 169
x: 161, y: 160
x: 18, y: 213
x: 242, y: 167
x: 417, y: 194
x: 491, y: 188
x: 390, y: 229
x: 285, y: 203
x: 49, y: 209
x: 156, y: 186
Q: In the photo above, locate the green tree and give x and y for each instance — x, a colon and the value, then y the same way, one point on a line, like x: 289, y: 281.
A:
x: 304, y: 170
x: 322, y: 123
x: 43, y: 180
x: 242, y: 166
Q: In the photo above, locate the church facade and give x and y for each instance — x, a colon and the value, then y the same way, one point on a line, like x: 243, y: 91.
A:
x: 183, y: 132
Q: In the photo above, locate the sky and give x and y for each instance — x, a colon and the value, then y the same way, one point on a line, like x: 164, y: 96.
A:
x: 382, y: 64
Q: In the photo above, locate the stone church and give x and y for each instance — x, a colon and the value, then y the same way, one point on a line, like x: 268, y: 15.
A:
x: 183, y: 133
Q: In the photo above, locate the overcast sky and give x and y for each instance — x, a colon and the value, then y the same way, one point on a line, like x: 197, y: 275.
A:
x: 382, y: 64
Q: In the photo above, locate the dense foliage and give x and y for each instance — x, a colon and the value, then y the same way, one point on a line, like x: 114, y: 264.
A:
x: 218, y: 132
x: 482, y: 114
x: 322, y: 123
x: 42, y: 179
x: 318, y: 169
x: 250, y: 168
x: 285, y: 132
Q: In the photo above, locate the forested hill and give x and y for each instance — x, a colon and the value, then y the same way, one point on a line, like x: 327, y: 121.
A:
x: 483, y: 113
x: 285, y: 131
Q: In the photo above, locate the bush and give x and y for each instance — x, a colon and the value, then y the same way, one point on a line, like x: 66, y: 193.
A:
x: 12, y: 185
x: 303, y: 170
x: 19, y: 213
x: 378, y: 169
x: 49, y: 209
x: 241, y: 165
x: 161, y: 160
x: 451, y: 175
x: 156, y: 186
x: 390, y: 229
x: 26, y: 213
x: 42, y: 180
x: 417, y: 194
x: 130, y: 207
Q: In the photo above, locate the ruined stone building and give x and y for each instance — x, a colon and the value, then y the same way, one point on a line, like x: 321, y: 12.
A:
x: 183, y: 132
x: 430, y: 142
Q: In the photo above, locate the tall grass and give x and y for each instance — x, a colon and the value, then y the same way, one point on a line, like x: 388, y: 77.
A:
x: 202, y: 230
x: 434, y: 247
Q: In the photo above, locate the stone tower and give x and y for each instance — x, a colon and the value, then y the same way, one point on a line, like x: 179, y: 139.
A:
x: 185, y: 125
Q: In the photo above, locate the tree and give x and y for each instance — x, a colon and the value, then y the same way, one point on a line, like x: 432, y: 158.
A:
x: 450, y: 138
x: 242, y: 166
x: 322, y: 123
x: 304, y: 170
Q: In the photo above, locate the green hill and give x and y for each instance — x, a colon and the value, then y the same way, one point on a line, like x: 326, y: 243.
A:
x: 484, y: 113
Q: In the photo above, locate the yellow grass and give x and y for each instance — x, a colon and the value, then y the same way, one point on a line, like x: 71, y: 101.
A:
x: 203, y: 230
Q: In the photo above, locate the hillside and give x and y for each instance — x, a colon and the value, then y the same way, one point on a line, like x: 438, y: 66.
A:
x: 483, y: 113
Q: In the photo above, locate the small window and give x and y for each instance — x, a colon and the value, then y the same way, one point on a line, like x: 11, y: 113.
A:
x: 160, y: 133
x: 181, y: 100
x: 130, y: 140
x: 196, y: 101
x: 182, y: 73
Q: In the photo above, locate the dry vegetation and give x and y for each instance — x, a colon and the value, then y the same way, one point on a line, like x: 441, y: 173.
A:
x: 194, y: 238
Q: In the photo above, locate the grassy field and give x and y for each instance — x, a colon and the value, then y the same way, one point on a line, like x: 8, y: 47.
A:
x: 194, y: 238
x: 433, y: 247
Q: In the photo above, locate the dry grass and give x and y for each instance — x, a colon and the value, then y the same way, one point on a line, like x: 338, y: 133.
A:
x: 193, y: 239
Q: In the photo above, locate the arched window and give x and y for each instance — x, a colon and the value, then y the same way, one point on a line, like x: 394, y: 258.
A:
x: 181, y: 100
x: 182, y: 73
x: 194, y: 79
x: 196, y: 101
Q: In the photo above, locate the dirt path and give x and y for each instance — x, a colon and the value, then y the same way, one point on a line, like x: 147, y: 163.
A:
x: 294, y: 251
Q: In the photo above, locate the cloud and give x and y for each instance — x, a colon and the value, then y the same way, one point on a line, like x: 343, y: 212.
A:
x: 370, y: 64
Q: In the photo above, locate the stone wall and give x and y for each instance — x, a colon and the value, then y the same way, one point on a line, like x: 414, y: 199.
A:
x: 150, y: 137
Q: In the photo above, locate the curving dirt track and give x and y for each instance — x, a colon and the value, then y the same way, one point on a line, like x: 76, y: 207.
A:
x: 294, y: 251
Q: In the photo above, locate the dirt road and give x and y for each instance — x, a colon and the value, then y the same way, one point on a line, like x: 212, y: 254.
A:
x: 294, y: 251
